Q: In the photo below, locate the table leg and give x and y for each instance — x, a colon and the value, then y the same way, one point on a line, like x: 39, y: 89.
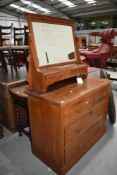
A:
x: 18, y: 119
x: 1, y: 132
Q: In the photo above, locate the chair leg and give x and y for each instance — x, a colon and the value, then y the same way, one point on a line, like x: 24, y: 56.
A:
x: 4, y: 65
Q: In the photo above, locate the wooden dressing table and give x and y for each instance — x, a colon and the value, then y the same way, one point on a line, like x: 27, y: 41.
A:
x: 66, y: 118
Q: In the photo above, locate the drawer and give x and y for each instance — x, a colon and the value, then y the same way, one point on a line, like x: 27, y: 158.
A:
x: 75, y: 150
x: 50, y: 79
x: 74, y: 131
x: 100, y: 95
x: 75, y: 111
x: 56, y: 77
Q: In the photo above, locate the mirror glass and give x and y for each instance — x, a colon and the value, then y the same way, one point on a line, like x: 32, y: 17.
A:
x: 54, y: 43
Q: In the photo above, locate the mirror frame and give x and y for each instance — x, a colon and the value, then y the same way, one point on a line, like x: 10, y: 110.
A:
x: 50, y: 20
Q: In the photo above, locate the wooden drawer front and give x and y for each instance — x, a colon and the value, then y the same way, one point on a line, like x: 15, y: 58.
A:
x: 50, y: 79
x: 56, y: 77
x: 77, y: 72
x: 77, y: 129
x: 75, y: 150
x: 100, y: 95
x: 74, y: 112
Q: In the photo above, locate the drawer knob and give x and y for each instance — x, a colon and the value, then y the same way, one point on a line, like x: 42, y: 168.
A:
x: 78, y: 130
x: 86, y: 102
x: 78, y: 110
x: 80, y: 144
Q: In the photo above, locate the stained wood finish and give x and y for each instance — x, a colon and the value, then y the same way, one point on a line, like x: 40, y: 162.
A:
x: 6, y: 103
x: 67, y: 122
x: 49, y: 74
x: 66, y: 118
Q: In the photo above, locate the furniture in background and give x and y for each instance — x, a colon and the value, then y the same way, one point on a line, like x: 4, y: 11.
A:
x: 20, y: 39
x: 5, y: 40
x: 112, y: 61
x: 98, y: 57
x: 26, y: 35
x: 7, y: 113
x: 1, y: 129
x: 81, y: 42
x: 18, y: 36
x: 14, y: 54
x: 66, y: 118
x: 20, y: 100
x: 94, y: 40
x: 20, y: 54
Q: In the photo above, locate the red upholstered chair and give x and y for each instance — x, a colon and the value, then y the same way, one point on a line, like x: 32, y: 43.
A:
x: 99, y: 56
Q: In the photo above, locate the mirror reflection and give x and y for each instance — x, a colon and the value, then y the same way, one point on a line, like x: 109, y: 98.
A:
x: 54, y: 43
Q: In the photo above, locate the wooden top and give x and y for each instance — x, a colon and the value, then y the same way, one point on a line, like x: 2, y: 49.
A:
x: 74, y: 91
x: 20, y: 91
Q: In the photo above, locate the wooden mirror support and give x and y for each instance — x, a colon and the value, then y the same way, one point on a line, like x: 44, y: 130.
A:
x: 52, y: 58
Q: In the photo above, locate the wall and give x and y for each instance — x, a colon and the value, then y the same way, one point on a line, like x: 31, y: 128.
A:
x: 6, y: 20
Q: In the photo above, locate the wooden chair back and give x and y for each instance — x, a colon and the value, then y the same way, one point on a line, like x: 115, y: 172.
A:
x: 5, y: 35
x: 26, y: 35
x: 18, y: 35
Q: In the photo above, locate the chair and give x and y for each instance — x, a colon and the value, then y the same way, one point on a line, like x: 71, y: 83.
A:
x: 98, y: 57
x: 5, y: 40
x: 26, y: 33
x: 20, y: 38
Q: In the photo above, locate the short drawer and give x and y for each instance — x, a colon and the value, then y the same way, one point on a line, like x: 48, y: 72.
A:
x: 50, y: 79
x: 75, y: 111
x: 55, y: 77
x: 100, y: 95
x: 77, y: 129
x: 75, y: 150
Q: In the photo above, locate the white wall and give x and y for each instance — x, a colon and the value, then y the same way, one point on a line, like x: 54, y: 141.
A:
x: 6, y: 20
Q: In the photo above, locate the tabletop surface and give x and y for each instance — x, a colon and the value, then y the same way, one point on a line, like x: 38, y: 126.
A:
x: 20, y: 91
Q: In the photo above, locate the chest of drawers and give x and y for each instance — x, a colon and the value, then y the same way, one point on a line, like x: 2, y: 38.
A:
x: 67, y: 122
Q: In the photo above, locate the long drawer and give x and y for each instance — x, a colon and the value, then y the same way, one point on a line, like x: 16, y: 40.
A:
x: 77, y: 129
x: 82, y: 144
x: 84, y: 106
